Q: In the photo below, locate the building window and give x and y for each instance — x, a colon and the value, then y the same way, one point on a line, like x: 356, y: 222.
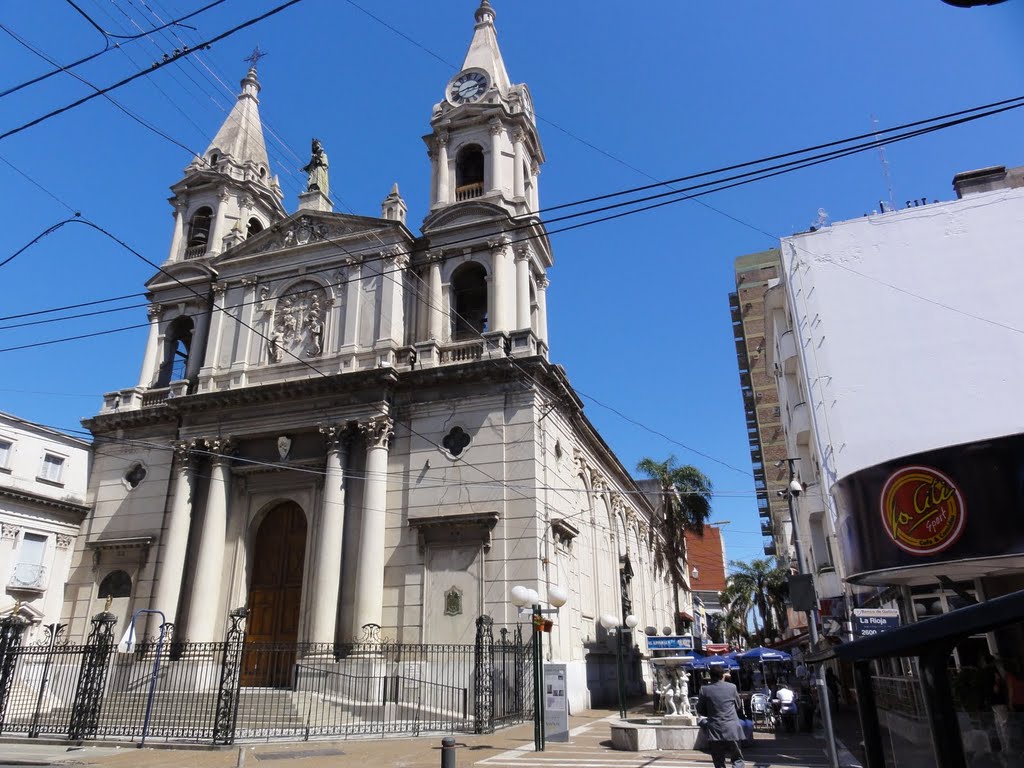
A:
x: 469, y: 302
x: 255, y: 226
x: 5, y: 454
x: 456, y: 441
x: 52, y: 469
x: 177, y: 347
x: 199, y: 232
x: 134, y: 476
x: 116, y: 584
x: 29, y: 571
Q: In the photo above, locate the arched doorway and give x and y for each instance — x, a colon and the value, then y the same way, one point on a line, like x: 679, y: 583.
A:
x: 275, y: 596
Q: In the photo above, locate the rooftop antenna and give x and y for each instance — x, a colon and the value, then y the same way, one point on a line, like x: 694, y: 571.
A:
x: 885, y: 169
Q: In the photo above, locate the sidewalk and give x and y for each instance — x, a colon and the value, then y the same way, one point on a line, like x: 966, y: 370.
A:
x: 589, y: 745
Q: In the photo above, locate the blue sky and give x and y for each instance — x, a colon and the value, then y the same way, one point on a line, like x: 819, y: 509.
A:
x: 638, y: 307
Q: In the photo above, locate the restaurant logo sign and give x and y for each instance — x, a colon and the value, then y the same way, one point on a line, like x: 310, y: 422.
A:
x: 922, y: 510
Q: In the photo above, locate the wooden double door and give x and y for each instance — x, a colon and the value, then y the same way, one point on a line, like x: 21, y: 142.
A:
x: 275, y: 598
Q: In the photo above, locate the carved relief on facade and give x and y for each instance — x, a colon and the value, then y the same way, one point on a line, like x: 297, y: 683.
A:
x: 298, y: 324
x: 64, y: 541
x: 302, y: 231
x: 9, y: 531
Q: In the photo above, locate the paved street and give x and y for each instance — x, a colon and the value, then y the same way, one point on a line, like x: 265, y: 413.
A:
x: 589, y: 745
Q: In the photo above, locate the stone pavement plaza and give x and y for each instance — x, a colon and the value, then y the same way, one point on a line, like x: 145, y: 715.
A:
x: 589, y: 745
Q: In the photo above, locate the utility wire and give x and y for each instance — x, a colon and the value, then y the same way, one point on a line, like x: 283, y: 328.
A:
x: 65, y: 67
x: 156, y: 65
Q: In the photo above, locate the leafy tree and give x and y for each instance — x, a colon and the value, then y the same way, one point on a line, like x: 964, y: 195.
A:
x: 684, y: 505
x: 760, y: 584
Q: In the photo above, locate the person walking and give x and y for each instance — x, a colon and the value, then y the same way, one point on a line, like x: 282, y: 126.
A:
x: 719, y: 702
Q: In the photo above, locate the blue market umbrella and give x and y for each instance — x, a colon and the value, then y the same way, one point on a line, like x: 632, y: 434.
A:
x: 724, y: 661
x: 765, y: 654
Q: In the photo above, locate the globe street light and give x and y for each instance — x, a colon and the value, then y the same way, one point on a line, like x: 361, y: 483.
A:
x: 611, y: 624
x: 526, y: 599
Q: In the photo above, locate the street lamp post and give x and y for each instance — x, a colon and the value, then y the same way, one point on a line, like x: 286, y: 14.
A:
x: 792, y: 493
x: 528, y: 602
x: 611, y: 623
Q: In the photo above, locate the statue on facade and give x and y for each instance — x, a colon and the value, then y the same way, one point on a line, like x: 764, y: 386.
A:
x: 316, y: 170
x: 316, y: 328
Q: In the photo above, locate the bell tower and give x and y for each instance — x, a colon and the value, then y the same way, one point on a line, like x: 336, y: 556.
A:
x: 488, y: 253
x: 228, y: 193
x: 483, y: 143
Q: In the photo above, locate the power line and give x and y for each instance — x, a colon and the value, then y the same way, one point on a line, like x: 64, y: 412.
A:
x: 156, y: 65
x: 107, y: 47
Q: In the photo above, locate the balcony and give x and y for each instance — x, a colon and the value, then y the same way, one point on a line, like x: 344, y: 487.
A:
x: 828, y: 583
x: 195, y: 251
x: 800, y: 423
x: 462, y: 352
x: 468, y: 192
x: 28, y: 576
x: 767, y: 529
x: 787, y: 351
x: 139, y: 397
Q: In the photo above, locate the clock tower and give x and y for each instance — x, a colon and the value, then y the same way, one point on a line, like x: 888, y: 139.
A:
x: 488, y: 251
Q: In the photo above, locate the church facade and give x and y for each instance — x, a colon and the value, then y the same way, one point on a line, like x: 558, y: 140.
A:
x: 345, y: 426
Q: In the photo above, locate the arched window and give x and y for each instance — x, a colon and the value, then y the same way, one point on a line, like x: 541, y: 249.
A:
x: 199, y: 233
x: 116, y: 584
x: 469, y: 173
x: 177, y: 347
x: 255, y: 226
x: 469, y: 301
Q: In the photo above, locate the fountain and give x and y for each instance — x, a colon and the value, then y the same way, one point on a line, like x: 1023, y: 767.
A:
x: 677, y: 728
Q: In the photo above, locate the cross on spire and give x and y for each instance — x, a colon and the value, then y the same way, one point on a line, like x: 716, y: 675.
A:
x: 254, y: 57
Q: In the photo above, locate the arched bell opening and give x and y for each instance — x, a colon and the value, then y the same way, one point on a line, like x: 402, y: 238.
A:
x: 177, y: 348
x: 199, y: 233
x: 469, y: 302
x: 469, y: 173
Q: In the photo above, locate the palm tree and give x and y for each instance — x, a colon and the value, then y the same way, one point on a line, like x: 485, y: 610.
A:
x: 763, y: 580
x: 738, y: 601
x: 685, y: 505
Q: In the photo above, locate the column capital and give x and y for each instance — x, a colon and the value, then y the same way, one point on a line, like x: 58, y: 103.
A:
x: 223, y: 195
x: 519, y: 136
x: 396, y: 256
x: 499, y: 243
x: 337, y: 436
x: 221, y: 447
x: 542, y: 283
x: 250, y: 280
x: 522, y: 252
x: 495, y: 126
x: 441, y: 138
x: 535, y: 169
x: 154, y: 311
x: 434, y: 257
x: 378, y: 431
x: 183, y: 452
x: 219, y: 288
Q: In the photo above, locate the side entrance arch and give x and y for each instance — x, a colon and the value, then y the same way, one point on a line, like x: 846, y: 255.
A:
x: 275, y: 597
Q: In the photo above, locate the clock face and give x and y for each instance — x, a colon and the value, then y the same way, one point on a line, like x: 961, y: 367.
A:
x: 527, y: 104
x: 468, y: 87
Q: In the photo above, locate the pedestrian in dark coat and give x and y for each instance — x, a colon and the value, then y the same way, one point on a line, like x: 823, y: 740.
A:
x: 719, y: 702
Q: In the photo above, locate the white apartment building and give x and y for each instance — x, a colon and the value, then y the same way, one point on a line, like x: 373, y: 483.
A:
x: 43, y: 481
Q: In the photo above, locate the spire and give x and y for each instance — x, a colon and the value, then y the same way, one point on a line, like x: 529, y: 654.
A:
x: 393, y: 206
x: 483, y: 50
x: 241, y: 136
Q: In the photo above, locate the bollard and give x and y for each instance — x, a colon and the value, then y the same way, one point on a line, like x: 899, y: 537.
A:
x: 448, y: 752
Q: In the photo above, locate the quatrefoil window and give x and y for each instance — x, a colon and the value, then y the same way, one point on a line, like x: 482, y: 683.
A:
x: 456, y: 441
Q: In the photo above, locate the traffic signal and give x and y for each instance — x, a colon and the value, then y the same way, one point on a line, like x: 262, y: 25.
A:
x: 801, y: 592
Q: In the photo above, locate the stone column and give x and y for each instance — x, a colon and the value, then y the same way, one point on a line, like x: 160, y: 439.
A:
x: 352, y: 301
x: 443, y: 193
x: 219, y: 221
x: 179, y: 231
x: 535, y: 194
x: 522, y: 287
x: 246, y: 318
x: 519, y: 180
x: 499, y: 299
x: 175, y: 537
x: 216, y: 328
x: 149, y: 360
x: 436, y: 310
x: 542, y: 309
x: 433, y: 177
x: 392, y: 297
x: 197, y: 352
x: 327, y: 559
x: 496, y: 129
x: 207, y: 579
x: 369, y: 586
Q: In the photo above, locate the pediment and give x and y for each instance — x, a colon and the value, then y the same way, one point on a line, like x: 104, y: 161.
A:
x: 304, y: 228
x: 466, y: 213
x: 182, y: 271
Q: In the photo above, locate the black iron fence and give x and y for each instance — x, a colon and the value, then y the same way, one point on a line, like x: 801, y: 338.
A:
x: 239, y: 690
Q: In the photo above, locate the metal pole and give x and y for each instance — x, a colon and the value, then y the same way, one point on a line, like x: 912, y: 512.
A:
x: 812, y: 628
x: 448, y: 752
x: 622, y: 674
x: 156, y: 665
x: 538, y: 684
